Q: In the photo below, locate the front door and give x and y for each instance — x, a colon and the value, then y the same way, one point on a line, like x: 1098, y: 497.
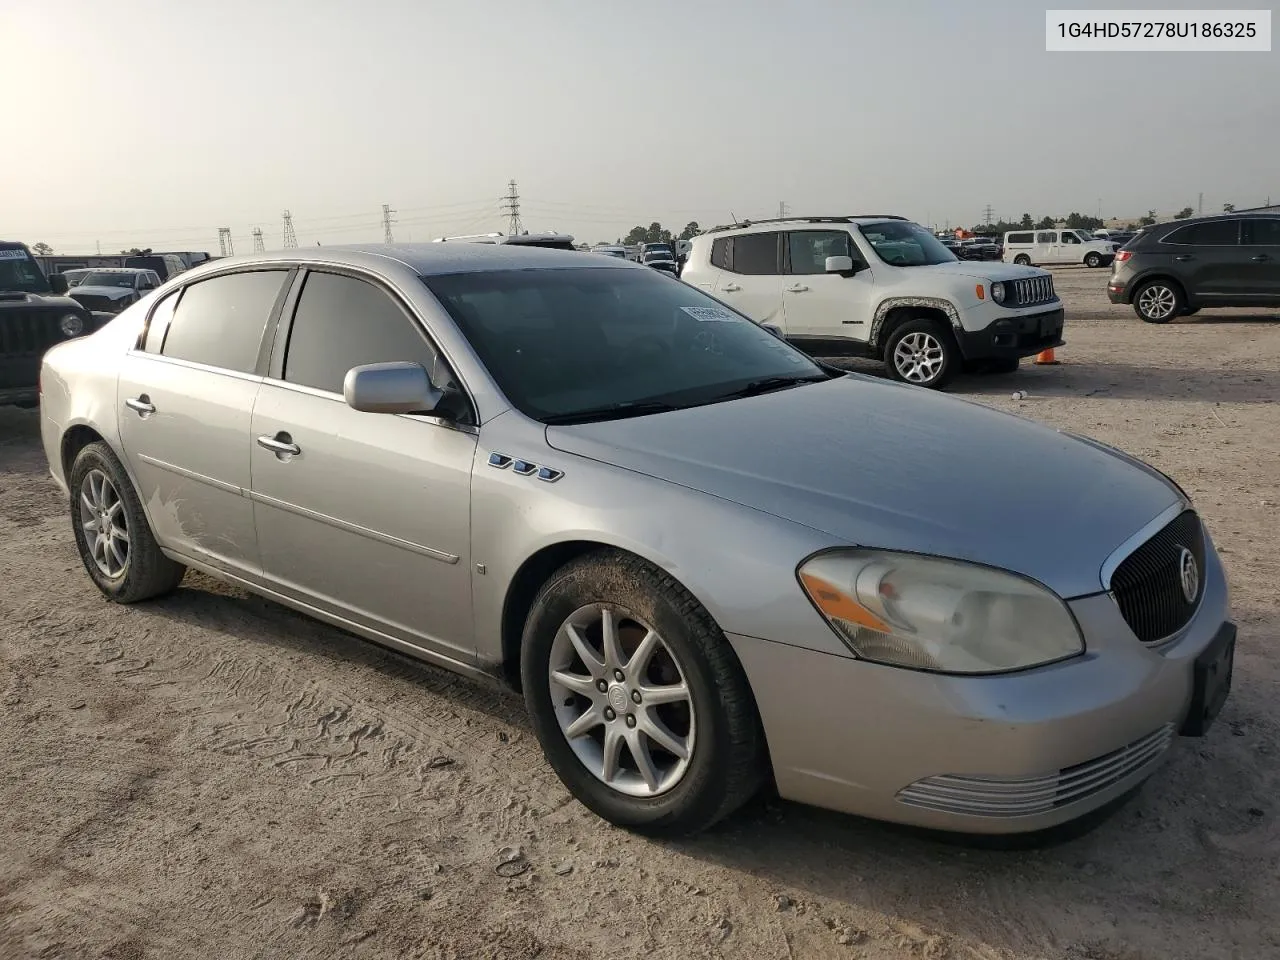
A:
x: 364, y: 516
x: 1046, y: 247
x: 820, y: 305
x: 184, y: 406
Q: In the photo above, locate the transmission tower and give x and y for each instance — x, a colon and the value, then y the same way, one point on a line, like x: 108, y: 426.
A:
x: 782, y: 209
x: 511, y: 204
x: 258, y: 246
x: 986, y: 214
x: 289, y: 239
x: 224, y: 242
x: 387, y: 221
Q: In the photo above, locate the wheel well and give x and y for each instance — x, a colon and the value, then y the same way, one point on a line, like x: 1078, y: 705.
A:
x: 73, y: 441
x: 1163, y: 278
x: 900, y: 315
x: 533, y: 573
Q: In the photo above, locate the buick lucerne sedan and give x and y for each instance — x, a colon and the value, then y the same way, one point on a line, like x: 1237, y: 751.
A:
x: 707, y: 561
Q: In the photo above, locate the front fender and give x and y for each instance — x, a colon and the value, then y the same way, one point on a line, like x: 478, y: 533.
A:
x: 890, y: 304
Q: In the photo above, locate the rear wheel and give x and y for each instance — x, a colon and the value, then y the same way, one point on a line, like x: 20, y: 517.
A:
x: 922, y: 352
x: 111, y: 530
x: 1158, y: 301
x: 1022, y: 260
x: 1093, y: 259
x: 637, y: 698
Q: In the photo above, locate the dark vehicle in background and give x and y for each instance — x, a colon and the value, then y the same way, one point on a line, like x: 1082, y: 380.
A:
x: 661, y: 258
x: 1174, y: 269
x: 111, y: 289
x: 35, y: 314
x: 1121, y: 237
x: 166, y: 265
x: 980, y: 248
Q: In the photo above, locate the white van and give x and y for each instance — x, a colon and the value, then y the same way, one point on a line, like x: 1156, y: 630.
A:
x: 1041, y: 247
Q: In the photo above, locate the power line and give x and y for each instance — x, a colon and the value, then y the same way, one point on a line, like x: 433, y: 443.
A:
x: 386, y: 224
x: 289, y: 238
x: 258, y: 245
x: 511, y: 204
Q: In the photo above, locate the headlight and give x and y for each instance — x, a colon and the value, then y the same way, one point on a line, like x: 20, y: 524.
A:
x: 940, y: 615
x: 71, y: 325
x: 997, y: 292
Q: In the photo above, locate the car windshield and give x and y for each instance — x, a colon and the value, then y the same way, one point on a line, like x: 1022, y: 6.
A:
x: 905, y: 244
x: 104, y: 279
x: 19, y: 273
x: 658, y: 255
x: 590, y: 341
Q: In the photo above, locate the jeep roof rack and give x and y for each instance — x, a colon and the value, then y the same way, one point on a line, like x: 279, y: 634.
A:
x: 846, y: 218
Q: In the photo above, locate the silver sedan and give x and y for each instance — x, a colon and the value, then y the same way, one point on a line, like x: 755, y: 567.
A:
x: 707, y: 560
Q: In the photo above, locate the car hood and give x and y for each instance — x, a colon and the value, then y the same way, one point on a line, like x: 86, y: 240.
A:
x: 111, y: 293
x: 987, y: 270
x: 52, y: 301
x: 899, y: 467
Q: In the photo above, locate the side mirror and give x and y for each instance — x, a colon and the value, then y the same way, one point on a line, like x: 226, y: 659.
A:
x: 847, y: 266
x: 391, y: 388
x: 58, y: 284
x: 774, y: 330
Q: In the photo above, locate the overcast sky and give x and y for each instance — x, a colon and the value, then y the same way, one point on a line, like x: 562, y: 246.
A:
x: 154, y: 123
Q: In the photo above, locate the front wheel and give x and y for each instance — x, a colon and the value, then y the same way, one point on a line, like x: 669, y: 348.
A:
x: 1158, y: 301
x: 637, y: 699
x: 923, y: 353
x: 1093, y: 259
x: 1022, y: 260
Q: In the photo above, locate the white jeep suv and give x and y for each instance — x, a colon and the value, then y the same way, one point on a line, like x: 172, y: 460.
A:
x: 879, y: 287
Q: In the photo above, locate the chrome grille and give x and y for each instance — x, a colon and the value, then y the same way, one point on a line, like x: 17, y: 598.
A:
x: 25, y: 331
x: 1147, y: 585
x: 1004, y: 797
x: 1033, y: 290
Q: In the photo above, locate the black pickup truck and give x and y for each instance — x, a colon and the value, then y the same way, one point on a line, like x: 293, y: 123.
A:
x: 35, y: 313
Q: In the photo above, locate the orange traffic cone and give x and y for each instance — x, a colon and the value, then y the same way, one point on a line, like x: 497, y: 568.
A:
x: 1045, y: 358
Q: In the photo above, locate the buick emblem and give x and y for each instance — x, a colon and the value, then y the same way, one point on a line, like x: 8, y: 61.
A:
x: 1189, y: 575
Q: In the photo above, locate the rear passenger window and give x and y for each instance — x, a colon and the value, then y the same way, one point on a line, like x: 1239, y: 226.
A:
x: 1050, y: 237
x: 342, y: 322
x: 722, y: 253
x: 1263, y: 233
x: 755, y: 253
x: 220, y: 322
x: 1021, y: 238
x: 158, y: 326
x: 1215, y: 233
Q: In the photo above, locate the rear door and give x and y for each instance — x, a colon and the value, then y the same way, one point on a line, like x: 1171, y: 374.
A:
x: 1046, y: 249
x: 1260, y: 264
x: 185, y: 396
x: 363, y: 516
x: 752, y: 281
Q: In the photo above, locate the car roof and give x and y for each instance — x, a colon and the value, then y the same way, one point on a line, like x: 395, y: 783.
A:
x: 117, y: 269
x: 425, y: 259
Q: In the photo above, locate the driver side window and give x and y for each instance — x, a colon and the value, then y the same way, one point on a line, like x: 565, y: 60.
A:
x: 809, y: 249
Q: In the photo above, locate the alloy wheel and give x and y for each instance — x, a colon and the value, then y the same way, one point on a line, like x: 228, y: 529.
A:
x: 1157, y: 301
x: 918, y: 357
x: 622, y: 701
x: 106, y: 529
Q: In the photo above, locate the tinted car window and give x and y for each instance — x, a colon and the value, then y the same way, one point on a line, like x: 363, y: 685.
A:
x: 755, y: 254
x: 560, y: 342
x: 342, y: 322
x: 158, y: 326
x: 220, y: 321
x: 1213, y: 233
x: 1262, y: 233
x: 721, y: 251
x: 809, y: 249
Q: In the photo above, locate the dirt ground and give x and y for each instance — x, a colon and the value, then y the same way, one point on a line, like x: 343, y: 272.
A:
x: 214, y: 776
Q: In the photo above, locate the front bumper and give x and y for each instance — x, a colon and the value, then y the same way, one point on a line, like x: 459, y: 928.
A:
x: 1018, y: 336
x: 1001, y: 754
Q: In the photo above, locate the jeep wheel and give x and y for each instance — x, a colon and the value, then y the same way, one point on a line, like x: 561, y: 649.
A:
x: 1093, y: 259
x: 1158, y: 301
x: 922, y: 352
x: 637, y: 698
x: 1022, y: 260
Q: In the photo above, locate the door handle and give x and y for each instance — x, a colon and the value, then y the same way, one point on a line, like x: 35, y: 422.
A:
x: 797, y: 288
x: 141, y: 405
x: 1184, y: 257
x: 281, y: 445
x: 1260, y: 257
x: 731, y: 288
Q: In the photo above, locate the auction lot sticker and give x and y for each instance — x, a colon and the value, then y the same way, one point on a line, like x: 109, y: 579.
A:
x: 1137, y: 31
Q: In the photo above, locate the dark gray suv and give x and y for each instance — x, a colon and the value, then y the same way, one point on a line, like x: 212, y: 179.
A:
x: 1174, y: 269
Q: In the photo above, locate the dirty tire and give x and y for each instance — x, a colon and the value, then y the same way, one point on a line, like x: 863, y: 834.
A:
x: 936, y: 333
x: 148, y: 572
x: 1022, y: 260
x: 1093, y: 260
x: 728, y: 761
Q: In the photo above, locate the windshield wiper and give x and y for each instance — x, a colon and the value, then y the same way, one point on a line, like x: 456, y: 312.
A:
x: 612, y: 411
x: 769, y: 384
